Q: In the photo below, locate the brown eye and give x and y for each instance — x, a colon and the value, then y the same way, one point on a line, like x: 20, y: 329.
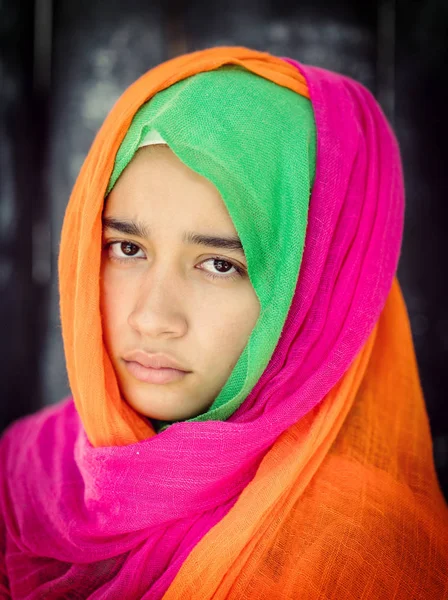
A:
x: 222, y: 266
x: 122, y: 251
x: 129, y: 249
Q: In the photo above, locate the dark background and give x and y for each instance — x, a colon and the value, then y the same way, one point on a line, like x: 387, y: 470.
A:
x: 62, y: 66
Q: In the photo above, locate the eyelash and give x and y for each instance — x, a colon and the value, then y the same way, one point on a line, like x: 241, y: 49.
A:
x: 240, y: 272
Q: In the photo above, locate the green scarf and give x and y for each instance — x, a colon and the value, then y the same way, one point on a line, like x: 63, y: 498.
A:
x: 256, y: 142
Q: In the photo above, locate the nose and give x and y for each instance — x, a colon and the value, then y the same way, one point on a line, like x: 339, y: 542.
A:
x: 159, y: 308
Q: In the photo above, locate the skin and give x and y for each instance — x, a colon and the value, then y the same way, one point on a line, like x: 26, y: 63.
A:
x: 160, y: 294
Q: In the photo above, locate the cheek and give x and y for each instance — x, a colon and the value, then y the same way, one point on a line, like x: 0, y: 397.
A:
x: 224, y: 326
x: 115, y: 300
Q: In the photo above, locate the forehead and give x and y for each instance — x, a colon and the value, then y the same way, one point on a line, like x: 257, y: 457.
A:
x: 157, y: 186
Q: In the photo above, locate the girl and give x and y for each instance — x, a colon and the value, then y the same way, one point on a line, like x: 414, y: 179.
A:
x: 246, y: 418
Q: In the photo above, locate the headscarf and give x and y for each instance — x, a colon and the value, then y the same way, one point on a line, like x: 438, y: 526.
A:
x: 321, y: 484
x: 241, y: 138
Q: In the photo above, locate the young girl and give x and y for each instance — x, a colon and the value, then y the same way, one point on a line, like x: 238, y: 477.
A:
x: 246, y: 418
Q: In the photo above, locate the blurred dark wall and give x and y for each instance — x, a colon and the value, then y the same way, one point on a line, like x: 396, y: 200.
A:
x: 63, y: 65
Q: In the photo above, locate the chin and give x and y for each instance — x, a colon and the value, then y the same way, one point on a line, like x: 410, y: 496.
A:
x: 159, y: 411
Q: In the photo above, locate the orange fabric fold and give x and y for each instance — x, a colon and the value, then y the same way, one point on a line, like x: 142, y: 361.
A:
x: 347, y: 503
x: 107, y: 418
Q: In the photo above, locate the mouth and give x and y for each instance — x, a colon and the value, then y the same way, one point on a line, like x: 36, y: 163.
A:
x: 154, y: 375
x: 153, y: 367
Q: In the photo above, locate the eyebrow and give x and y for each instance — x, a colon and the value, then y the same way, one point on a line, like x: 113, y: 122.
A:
x: 141, y: 230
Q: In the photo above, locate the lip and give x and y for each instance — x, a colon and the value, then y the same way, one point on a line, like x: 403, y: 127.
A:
x: 153, y: 368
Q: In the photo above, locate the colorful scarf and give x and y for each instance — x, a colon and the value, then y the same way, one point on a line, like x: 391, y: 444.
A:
x: 321, y: 484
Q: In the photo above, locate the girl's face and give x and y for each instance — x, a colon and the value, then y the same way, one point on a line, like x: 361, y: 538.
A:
x: 177, y: 304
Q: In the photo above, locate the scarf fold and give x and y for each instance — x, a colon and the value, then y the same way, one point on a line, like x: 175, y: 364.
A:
x: 321, y: 484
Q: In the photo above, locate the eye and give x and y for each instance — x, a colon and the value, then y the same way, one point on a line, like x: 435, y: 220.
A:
x: 221, y: 268
x: 124, y: 250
